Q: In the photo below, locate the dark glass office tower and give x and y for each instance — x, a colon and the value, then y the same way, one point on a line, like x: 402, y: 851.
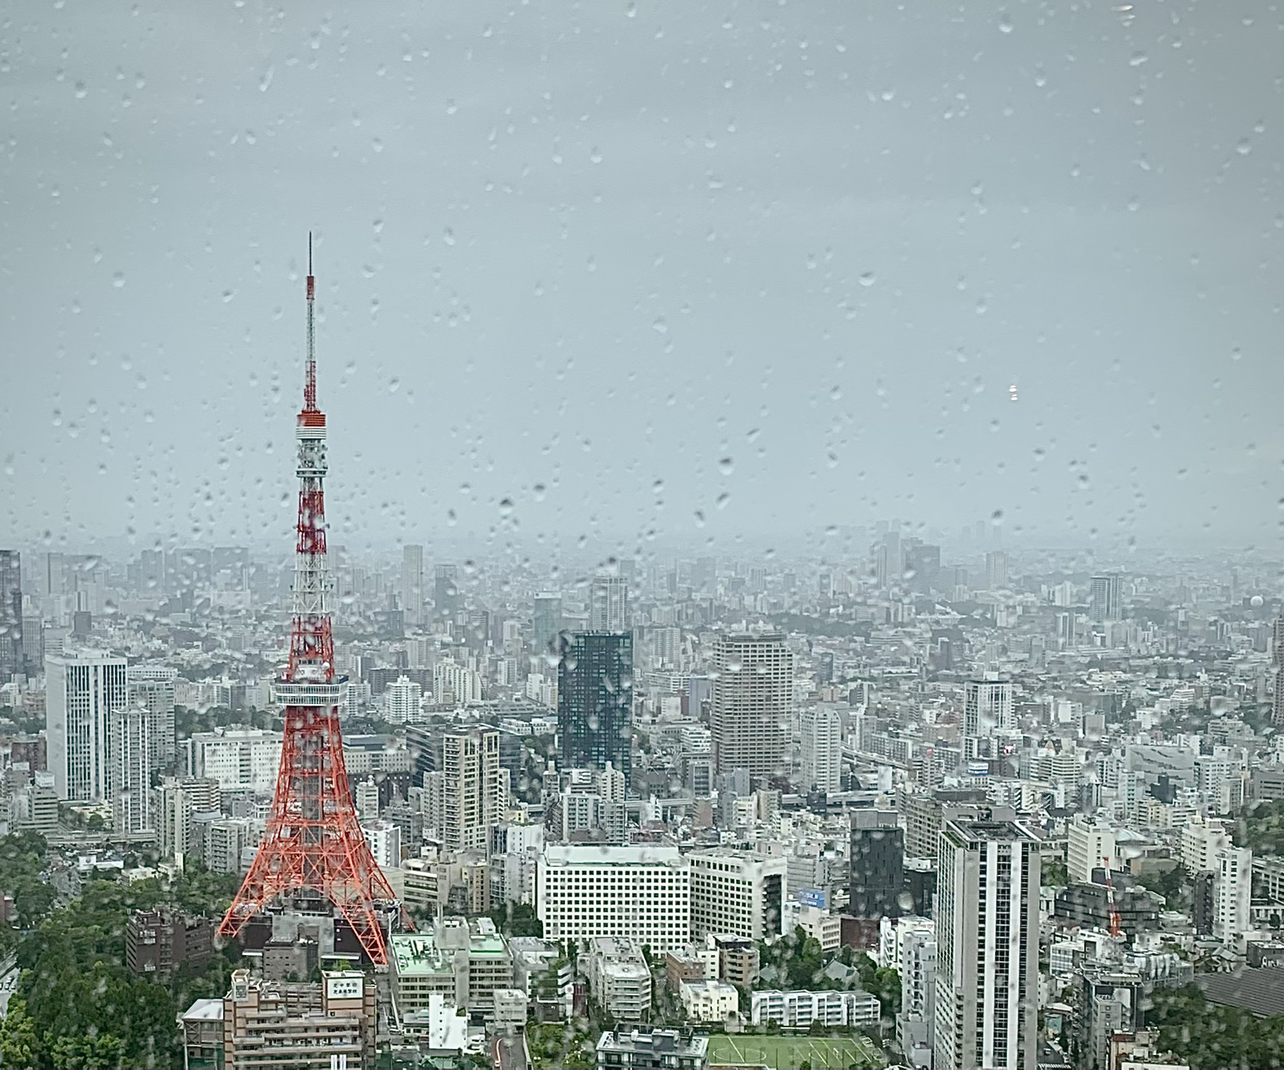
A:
x: 595, y: 699
x: 877, y: 865
x: 446, y: 593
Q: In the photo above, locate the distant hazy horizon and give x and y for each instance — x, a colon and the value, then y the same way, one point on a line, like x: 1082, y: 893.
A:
x: 645, y: 275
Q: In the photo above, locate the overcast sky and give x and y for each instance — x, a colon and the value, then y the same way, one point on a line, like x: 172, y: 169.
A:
x: 612, y: 268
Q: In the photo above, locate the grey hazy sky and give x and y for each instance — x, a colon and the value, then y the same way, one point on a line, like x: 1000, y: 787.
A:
x: 597, y: 248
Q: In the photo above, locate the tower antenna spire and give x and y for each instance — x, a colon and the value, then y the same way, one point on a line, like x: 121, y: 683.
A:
x: 313, y: 839
x: 310, y: 372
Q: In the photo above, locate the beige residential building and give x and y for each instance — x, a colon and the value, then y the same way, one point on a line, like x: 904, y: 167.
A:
x: 270, y: 1026
x: 752, y: 702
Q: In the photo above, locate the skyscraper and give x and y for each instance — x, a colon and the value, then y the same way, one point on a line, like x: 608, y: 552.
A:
x: 821, y: 729
x: 474, y: 788
x: 987, y: 706
x: 1232, y: 895
x: 609, y: 604
x: 753, y: 695
x: 546, y: 622
x: 83, y: 691
x: 987, y: 946
x: 1105, y: 600
x: 595, y: 699
x: 412, y: 584
x: 996, y: 570
x: 445, y: 602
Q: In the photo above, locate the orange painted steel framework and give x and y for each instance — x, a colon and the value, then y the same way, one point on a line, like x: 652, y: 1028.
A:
x: 313, y: 839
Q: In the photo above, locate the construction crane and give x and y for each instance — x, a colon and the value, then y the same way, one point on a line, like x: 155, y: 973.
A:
x: 1116, y: 923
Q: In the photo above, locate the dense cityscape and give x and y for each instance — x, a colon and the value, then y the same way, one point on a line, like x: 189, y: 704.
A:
x: 900, y: 808
x: 641, y: 536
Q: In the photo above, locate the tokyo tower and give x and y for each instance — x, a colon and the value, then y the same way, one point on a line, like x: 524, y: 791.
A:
x: 313, y: 840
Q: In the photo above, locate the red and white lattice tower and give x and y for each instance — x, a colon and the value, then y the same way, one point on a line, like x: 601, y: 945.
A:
x: 313, y: 839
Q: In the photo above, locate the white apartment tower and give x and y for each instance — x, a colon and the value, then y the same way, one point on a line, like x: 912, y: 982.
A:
x: 609, y: 604
x: 987, y: 946
x: 641, y: 892
x: 401, y: 701
x: 83, y: 692
x: 474, y: 788
x: 752, y: 700
x: 152, y: 687
x: 821, y: 731
x: 987, y: 706
x: 131, y: 771
x: 1232, y: 895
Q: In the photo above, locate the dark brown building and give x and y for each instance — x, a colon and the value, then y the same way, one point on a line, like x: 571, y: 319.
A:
x: 158, y: 942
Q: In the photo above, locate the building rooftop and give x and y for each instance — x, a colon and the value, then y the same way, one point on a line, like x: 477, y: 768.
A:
x: 590, y: 855
x: 1257, y: 990
x: 657, y: 1040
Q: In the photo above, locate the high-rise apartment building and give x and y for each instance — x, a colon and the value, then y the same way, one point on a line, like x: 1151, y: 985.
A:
x: 736, y: 892
x: 987, y: 706
x: 152, y: 688
x: 595, y: 700
x: 821, y: 731
x: 1232, y: 895
x: 401, y: 700
x: 445, y: 601
x: 996, y: 570
x: 546, y: 623
x: 752, y: 701
x: 83, y: 692
x: 412, y: 584
x: 174, y: 803
x: 916, y: 1021
x: 131, y: 772
x: 987, y: 946
x: 1105, y: 599
x: 474, y: 788
x: 641, y: 892
x: 12, y: 659
x: 609, y: 604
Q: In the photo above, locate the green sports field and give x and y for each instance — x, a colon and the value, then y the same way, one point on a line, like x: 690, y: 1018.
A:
x: 789, y: 1053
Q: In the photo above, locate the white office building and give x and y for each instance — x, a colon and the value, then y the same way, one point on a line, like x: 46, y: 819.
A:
x: 83, y: 692
x: 641, y: 892
x: 240, y: 759
x: 1090, y: 840
x: 821, y: 732
x: 737, y: 892
x: 987, y: 946
x: 609, y: 604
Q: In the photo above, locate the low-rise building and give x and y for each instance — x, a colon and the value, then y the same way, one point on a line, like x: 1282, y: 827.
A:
x: 709, y: 1001
x: 158, y: 942
x: 656, y: 1049
x: 798, y: 1010
x: 466, y: 961
x: 619, y: 977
